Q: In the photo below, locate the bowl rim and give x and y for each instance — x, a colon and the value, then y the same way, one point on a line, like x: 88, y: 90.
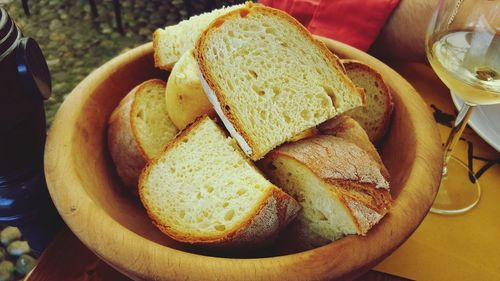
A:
x: 74, y: 204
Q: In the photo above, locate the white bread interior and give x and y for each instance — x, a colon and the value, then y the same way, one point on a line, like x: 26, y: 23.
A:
x: 375, y: 116
x: 268, y: 78
x: 171, y: 42
x: 203, y: 190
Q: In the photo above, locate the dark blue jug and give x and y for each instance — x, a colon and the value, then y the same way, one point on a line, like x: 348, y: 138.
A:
x: 24, y: 84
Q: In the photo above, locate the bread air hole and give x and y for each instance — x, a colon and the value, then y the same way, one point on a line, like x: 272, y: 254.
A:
x: 271, y: 30
x: 287, y: 118
x: 220, y: 227
x: 258, y: 91
x: 209, y: 189
x: 276, y: 91
x: 253, y: 73
x: 229, y: 215
x: 306, y: 115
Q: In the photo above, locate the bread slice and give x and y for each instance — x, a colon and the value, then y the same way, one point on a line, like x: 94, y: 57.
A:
x: 203, y: 190
x: 139, y: 128
x: 171, y: 42
x: 339, y: 185
x: 349, y: 129
x: 268, y: 78
x: 375, y: 116
x: 185, y: 97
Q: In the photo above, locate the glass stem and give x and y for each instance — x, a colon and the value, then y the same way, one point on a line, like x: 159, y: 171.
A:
x: 458, y: 127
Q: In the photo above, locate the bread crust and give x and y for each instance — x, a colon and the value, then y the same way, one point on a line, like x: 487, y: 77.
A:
x: 345, y: 127
x: 210, y: 80
x: 351, y: 64
x: 365, y: 202
x: 128, y: 157
x: 126, y: 151
x: 260, y: 226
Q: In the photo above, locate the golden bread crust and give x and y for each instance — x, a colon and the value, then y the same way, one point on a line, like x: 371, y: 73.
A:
x: 345, y: 127
x: 125, y: 150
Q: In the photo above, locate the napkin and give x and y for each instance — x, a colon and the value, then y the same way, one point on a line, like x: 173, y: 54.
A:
x: 354, y: 22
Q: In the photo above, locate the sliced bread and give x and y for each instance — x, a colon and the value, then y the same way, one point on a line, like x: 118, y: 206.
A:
x: 375, y: 116
x: 139, y: 128
x: 185, y: 97
x: 171, y: 42
x: 203, y: 190
x: 268, y: 78
x: 340, y: 187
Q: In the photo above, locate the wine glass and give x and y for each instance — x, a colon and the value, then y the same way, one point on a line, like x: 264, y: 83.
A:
x: 463, y: 48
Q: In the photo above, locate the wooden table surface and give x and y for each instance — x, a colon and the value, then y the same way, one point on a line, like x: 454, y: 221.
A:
x: 66, y: 258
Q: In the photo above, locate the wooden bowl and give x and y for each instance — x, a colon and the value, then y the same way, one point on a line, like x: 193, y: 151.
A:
x: 89, y: 196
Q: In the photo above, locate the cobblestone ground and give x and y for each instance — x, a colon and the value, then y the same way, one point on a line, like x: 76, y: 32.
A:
x: 75, y: 43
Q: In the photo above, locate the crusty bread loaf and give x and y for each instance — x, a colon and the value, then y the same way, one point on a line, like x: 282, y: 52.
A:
x: 375, y: 116
x: 349, y: 129
x: 268, y: 78
x: 139, y: 128
x: 186, y: 99
x: 203, y: 190
x: 340, y: 187
x: 171, y: 42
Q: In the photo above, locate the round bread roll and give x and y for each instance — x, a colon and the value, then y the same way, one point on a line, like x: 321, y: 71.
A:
x: 186, y: 99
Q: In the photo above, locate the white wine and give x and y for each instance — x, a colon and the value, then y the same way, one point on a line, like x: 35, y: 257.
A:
x: 469, y: 64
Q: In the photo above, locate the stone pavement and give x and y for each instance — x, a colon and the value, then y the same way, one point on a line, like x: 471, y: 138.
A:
x: 75, y: 43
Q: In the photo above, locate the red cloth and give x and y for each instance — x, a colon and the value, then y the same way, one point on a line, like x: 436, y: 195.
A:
x: 354, y: 22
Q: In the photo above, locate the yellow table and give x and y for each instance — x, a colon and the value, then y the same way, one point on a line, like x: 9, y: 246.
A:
x: 458, y: 247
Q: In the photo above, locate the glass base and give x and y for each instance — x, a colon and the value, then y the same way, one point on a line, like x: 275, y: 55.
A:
x: 459, y: 190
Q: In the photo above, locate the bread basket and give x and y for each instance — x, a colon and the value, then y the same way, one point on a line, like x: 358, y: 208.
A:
x: 88, y: 194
